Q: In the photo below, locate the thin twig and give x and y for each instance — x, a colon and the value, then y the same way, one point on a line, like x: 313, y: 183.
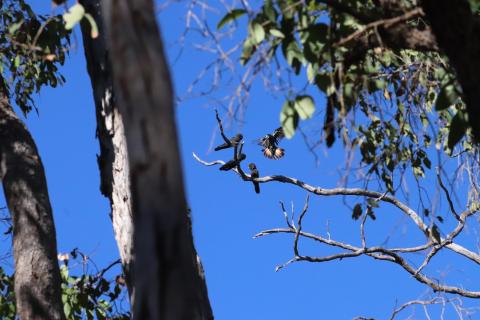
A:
x: 415, y: 302
x: 447, y: 195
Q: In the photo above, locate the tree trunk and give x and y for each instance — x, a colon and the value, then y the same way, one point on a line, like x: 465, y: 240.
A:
x: 168, y: 284
x: 456, y: 30
x: 37, y: 275
x: 113, y: 158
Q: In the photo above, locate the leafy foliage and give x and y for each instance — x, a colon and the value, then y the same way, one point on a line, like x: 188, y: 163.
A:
x: 85, y: 296
x: 32, y: 47
x: 7, y: 296
x: 392, y: 104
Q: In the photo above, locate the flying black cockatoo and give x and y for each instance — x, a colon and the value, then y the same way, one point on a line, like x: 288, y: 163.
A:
x: 233, y: 163
x: 254, y: 174
x: 270, y: 144
x: 234, y: 141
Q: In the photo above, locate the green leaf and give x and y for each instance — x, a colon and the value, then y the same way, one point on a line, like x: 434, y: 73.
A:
x: 232, y: 15
x: 101, y: 315
x: 64, y: 271
x: 67, y: 309
x: 458, y: 128
x: 277, y: 33
x: 474, y: 5
x: 73, y: 15
x: 292, y: 53
x: 311, y: 73
x: 387, y: 58
x: 257, y: 32
x: 247, y: 52
x: 289, y: 119
x: 93, y: 25
x: 15, y: 26
x: 304, y: 106
x: 446, y: 98
x: 330, y: 90
x: 16, y: 62
x: 269, y: 11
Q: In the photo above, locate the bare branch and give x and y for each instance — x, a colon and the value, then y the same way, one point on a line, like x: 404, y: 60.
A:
x: 447, y: 195
x: 362, y: 229
x: 285, y: 215
x: 378, y: 253
x: 414, y: 216
x: 416, y: 302
x: 299, y: 227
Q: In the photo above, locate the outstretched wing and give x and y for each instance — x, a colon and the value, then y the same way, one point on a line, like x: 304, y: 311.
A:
x: 278, y: 134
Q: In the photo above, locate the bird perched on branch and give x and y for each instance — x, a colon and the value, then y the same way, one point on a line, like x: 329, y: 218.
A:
x: 270, y: 144
x: 233, y: 142
x: 254, y: 174
x: 233, y: 163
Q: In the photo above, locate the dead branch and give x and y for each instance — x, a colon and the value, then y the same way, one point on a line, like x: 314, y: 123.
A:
x: 376, y: 252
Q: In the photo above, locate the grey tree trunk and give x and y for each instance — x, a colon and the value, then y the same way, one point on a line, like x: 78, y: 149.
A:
x: 113, y: 158
x: 168, y: 284
x: 37, y: 275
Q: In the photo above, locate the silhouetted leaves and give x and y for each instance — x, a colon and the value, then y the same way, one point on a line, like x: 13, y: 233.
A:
x: 231, y: 16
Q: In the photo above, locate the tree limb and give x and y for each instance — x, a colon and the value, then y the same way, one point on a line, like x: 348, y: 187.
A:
x: 414, y: 216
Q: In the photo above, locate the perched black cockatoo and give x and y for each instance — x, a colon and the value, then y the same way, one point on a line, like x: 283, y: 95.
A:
x: 234, y: 141
x: 233, y: 163
x: 254, y: 174
x: 270, y: 144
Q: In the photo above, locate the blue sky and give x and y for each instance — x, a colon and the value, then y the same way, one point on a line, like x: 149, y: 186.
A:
x: 240, y: 270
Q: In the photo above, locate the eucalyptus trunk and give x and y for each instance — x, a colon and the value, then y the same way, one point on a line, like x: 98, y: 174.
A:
x: 113, y: 158
x: 37, y: 276
x: 168, y: 283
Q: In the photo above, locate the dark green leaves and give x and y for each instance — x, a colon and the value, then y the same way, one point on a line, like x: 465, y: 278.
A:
x: 314, y: 39
x: 292, y: 53
x: 446, y: 97
x: 33, y: 47
x: 231, y: 16
x: 458, y: 128
x: 474, y: 6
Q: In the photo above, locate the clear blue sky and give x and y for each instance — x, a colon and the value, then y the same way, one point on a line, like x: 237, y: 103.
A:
x: 240, y: 271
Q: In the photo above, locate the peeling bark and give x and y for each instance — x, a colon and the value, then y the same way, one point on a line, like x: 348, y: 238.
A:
x: 167, y: 280
x: 113, y: 158
x: 37, y: 275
